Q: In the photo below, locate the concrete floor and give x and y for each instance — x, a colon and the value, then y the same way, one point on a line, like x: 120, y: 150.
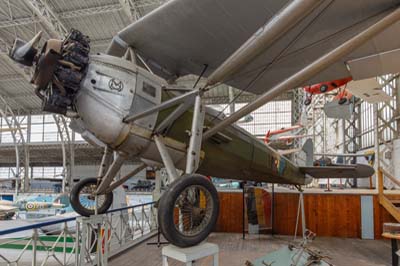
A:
x: 234, y: 251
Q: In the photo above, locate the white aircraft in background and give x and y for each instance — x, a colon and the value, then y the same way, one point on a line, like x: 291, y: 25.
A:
x: 9, y: 208
x: 282, y: 139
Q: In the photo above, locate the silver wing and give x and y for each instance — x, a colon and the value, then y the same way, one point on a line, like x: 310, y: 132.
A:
x: 182, y: 36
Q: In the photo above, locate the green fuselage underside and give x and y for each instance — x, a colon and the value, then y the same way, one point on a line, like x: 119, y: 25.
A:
x: 234, y: 154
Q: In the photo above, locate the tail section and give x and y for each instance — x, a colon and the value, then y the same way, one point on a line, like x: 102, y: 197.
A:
x: 333, y: 171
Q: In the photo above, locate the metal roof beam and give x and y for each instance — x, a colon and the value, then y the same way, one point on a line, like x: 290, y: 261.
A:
x: 18, y: 22
x: 48, y: 17
x: 15, y: 67
x: 64, y: 15
x: 90, y: 11
x: 128, y: 7
x: 20, y: 96
x: 10, y: 77
x: 100, y: 42
x: 93, y: 43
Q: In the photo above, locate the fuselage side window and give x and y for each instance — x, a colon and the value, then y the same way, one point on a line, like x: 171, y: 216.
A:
x: 149, y: 89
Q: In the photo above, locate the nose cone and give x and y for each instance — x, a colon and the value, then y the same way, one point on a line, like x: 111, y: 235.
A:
x: 25, y: 52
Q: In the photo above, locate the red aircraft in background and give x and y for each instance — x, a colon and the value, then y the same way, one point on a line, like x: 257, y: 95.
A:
x: 327, y: 86
x: 282, y: 139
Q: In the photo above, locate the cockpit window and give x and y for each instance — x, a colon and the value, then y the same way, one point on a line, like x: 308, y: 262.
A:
x: 148, y: 89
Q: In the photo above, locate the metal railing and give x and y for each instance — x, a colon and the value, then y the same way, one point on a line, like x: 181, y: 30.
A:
x: 78, y: 240
x: 114, y: 232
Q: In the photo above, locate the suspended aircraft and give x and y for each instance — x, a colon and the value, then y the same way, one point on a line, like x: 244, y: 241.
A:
x: 126, y: 100
x: 343, y: 104
x: 324, y: 87
x: 283, y: 139
x: 367, y: 89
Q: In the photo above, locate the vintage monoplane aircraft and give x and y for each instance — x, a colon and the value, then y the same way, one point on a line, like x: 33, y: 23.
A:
x: 126, y: 99
x: 324, y: 87
x: 283, y: 139
x: 23, y: 205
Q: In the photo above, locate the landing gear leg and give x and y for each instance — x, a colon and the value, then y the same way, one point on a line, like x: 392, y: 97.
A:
x: 94, y: 195
x: 342, y: 96
x: 342, y: 101
x: 188, y: 209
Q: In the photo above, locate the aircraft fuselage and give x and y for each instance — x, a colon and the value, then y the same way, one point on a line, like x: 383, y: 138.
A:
x: 115, y: 88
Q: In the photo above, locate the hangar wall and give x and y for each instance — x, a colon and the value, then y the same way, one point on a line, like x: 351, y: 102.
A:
x: 332, y: 215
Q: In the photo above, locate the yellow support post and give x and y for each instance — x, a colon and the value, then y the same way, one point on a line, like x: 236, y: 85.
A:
x: 383, y: 200
x: 380, y: 182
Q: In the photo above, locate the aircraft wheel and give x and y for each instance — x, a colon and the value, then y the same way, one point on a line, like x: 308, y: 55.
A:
x: 307, y: 101
x: 323, y: 88
x: 82, y: 198
x: 188, y: 210
x: 342, y: 101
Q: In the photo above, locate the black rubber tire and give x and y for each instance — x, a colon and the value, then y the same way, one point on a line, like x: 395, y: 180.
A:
x: 76, y: 204
x: 342, y: 101
x: 166, y: 211
x: 323, y: 88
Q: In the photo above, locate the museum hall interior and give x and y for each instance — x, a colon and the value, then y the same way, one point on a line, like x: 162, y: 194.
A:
x: 199, y: 132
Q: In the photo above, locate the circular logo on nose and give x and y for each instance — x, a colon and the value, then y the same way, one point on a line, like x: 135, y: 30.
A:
x: 116, y: 84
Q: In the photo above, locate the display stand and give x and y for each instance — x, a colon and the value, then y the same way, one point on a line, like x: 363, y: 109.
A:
x: 301, y: 215
x: 191, y: 254
x: 395, y: 249
x: 159, y: 242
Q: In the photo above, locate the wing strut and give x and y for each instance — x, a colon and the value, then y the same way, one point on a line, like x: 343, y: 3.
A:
x: 308, y: 72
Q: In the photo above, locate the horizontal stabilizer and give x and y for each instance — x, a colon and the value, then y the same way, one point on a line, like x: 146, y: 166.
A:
x: 339, y: 171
